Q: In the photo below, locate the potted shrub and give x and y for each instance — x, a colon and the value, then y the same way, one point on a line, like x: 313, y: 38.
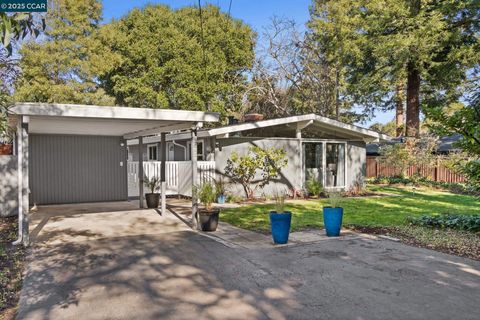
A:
x: 153, y: 198
x: 207, y: 215
x: 220, y: 190
x: 314, y: 187
x: 280, y: 221
x: 333, y: 215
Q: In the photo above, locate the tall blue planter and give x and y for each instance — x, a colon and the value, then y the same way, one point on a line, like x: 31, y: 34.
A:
x: 280, y: 226
x: 332, y: 219
x: 221, y: 199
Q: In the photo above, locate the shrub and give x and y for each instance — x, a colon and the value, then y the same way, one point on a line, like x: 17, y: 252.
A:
x: 206, y: 194
x: 314, y: 187
x: 451, y: 221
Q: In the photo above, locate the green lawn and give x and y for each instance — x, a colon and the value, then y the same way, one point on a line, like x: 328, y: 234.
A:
x: 367, y: 211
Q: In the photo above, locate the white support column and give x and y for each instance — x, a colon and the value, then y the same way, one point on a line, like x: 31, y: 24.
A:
x: 140, y: 172
x: 23, y: 185
x: 163, y: 158
x: 195, y: 184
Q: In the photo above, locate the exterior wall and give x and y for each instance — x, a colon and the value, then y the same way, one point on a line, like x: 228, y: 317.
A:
x: 179, y: 153
x: 356, y: 163
x: 8, y: 186
x: 290, y: 176
x: 69, y: 169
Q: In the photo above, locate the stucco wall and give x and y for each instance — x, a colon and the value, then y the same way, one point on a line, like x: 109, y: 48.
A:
x: 290, y: 176
x: 8, y: 186
x: 356, y: 163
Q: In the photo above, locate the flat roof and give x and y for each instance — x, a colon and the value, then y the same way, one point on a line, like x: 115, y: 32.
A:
x: 45, y: 118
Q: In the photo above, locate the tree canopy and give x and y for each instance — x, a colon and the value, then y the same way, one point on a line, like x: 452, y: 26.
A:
x: 64, y: 67
x: 179, y: 59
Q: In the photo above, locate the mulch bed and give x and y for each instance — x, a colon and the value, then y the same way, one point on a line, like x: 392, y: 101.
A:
x: 12, y: 260
x: 456, y: 242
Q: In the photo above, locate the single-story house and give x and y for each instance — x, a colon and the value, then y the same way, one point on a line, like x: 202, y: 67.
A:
x: 78, y: 153
x: 330, y: 151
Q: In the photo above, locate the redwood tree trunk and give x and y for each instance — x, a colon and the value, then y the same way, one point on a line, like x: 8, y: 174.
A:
x: 399, y: 111
x: 413, y: 102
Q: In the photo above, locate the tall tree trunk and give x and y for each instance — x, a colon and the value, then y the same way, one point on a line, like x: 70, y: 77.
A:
x: 337, y: 93
x: 413, y: 102
x: 399, y: 110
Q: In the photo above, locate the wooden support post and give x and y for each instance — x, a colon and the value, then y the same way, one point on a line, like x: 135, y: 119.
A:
x: 163, y: 158
x: 140, y: 172
x: 195, y: 184
x: 23, y: 182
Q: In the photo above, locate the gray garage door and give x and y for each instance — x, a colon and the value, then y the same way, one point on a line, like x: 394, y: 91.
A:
x: 70, y: 169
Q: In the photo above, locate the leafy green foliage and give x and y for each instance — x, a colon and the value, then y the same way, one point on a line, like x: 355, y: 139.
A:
x: 460, y: 222
x: 314, y: 187
x: 243, y: 169
x: 152, y: 183
x: 17, y: 26
x: 161, y: 61
x: 65, y: 66
x: 206, y: 194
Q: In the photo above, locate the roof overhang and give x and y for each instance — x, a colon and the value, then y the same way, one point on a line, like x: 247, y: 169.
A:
x: 106, y: 120
x: 348, y: 131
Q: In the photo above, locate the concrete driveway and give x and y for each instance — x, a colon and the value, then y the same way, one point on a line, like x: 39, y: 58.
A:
x: 136, y: 264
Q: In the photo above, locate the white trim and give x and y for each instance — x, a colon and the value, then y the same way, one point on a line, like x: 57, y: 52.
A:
x: 111, y: 112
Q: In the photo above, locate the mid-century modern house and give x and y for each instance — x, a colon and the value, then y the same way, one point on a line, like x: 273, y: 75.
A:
x: 330, y: 151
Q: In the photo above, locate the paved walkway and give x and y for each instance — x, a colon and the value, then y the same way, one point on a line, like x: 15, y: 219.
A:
x: 95, y: 262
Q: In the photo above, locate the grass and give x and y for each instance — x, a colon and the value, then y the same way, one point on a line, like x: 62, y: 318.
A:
x: 11, y: 268
x: 385, y: 211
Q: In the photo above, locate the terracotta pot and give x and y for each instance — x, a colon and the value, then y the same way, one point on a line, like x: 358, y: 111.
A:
x: 6, y: 149
x: 253, y: 117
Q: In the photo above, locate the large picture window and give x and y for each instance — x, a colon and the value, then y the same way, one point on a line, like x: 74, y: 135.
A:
x: 335, y: 165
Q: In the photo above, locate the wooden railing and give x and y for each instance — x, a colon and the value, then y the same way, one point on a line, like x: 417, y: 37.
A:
x: 178, y: 175
x: 436, y: 173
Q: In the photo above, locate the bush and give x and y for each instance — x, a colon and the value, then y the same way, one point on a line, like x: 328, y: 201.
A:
x: 314, y: 187
x: 206, y: 194
x: 450, y: 221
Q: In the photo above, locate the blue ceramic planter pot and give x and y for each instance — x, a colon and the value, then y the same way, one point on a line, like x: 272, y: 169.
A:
x: 332, y: 218
x: 221, y: 199
x: 280, y: 226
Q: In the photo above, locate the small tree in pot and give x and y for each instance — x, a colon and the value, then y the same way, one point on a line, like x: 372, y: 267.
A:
x: 207, y: 215
x: 153, y: 198
x: 333, y: 215
x: 280, y: 221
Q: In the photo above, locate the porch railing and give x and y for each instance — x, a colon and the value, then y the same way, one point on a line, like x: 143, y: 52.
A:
x: 178, y: 175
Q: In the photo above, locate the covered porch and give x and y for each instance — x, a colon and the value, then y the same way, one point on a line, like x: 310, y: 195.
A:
x: 72, y: 171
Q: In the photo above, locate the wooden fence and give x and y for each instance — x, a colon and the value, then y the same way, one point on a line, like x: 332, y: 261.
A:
x: 436, y: 173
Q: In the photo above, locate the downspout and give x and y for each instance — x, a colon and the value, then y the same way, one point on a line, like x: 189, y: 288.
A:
x: 183, y: 147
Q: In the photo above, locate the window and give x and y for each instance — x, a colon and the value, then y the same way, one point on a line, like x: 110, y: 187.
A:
x: 152, y: 152
x: 335, y: 165
x: 200, y: 153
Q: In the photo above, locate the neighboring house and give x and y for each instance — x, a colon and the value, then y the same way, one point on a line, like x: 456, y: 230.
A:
x: 445, y: 145
x: 327, y: 150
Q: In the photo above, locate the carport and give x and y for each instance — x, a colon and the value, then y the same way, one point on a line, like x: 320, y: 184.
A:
x: 77, y: 153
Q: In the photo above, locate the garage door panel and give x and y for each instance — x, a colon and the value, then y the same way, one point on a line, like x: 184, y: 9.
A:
x: 69, y: 169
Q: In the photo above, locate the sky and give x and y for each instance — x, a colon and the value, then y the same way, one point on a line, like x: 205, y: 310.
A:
x: 256, y: 13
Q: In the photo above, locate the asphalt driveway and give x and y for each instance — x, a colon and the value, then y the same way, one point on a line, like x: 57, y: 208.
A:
x: 136, y: 264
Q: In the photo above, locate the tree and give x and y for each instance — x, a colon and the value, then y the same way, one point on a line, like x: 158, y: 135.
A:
x: 244, y: 169
x: 388, y: 128
x: 290, y: 76
x: 182, y: 59
x: 64, y: 67
x: 429, y: 47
